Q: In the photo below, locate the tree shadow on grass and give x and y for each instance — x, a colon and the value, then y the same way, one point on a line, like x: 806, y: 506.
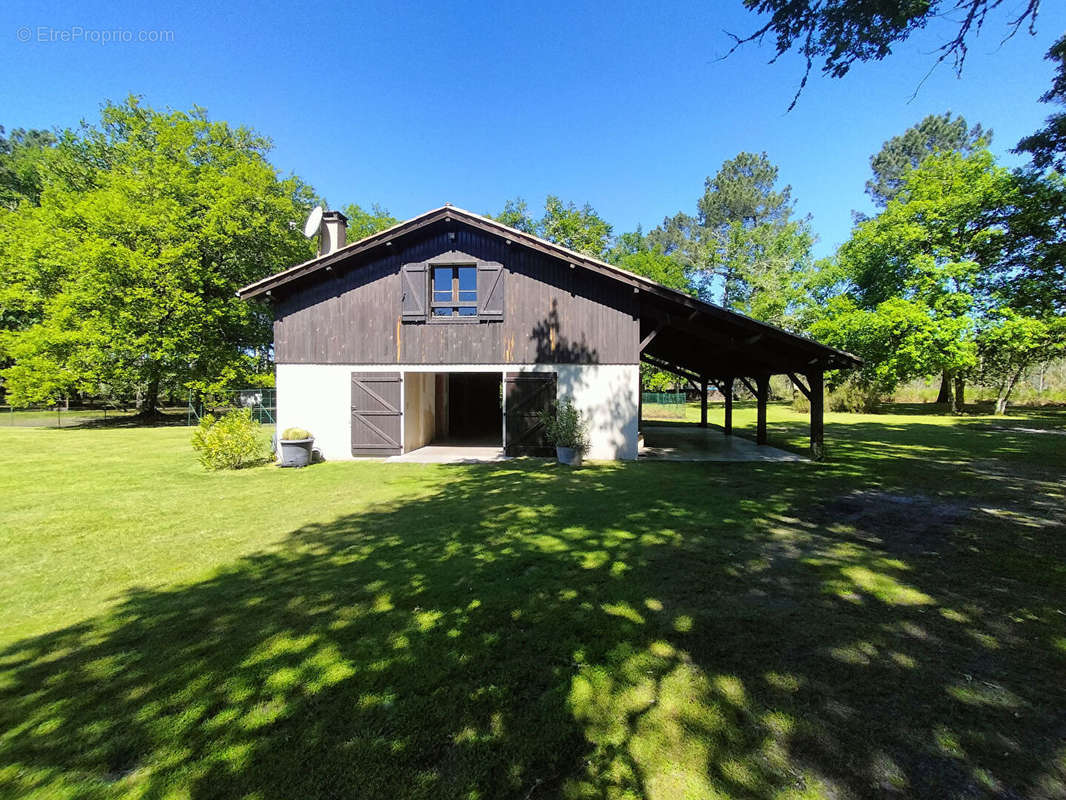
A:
x: 661, y: 630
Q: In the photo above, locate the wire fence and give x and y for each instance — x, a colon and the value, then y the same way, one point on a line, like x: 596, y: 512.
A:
x: 663, y: 405
x: 261, y: 402
x: 73, y: 416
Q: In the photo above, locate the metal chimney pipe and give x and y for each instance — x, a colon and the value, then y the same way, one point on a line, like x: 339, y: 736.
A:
x: 333, y: 234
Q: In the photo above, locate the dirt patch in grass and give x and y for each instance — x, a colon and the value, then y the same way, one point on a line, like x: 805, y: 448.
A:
x: 903, y: 524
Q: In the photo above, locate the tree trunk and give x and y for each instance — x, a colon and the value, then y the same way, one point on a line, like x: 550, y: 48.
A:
x: 1005, y: 390
x: 960, y: 393
x: 150, y: 398
x: 944, y: 396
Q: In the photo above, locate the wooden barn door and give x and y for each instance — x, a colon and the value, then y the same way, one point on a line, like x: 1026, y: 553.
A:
x: 528, y: 394
x: 376, y: 428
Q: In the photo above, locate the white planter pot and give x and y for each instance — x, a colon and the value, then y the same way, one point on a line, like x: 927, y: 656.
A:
x: 569, y: 456
x: 295, y: 452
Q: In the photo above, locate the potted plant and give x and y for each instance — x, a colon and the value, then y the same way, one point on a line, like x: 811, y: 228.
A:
x: 296, y: 447
x: 568, y: 431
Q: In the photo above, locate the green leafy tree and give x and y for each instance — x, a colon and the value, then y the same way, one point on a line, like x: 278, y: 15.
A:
x: 1009, y: 343
x: 579, y: 228
x: 1047, y: 147
x: 21, y: 157
x: 1035, y: 282
x: 662, y: 269
x: 841, y: 33
x: 898, y: 339
x: 516, y: 214
x: 627, y: 244
x: 900, y: 154
x: 937, y: 247
x: 634, y: 252
x: 744, y: 248
x: 366, y: 222
x: 127, y: 270
x: 770, y: 267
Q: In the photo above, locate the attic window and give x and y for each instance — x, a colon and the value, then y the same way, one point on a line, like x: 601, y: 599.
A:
x: 454, y: 291
x: 465, y: 290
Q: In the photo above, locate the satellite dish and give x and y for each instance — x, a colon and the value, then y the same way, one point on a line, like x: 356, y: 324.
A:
x: 314, y: 221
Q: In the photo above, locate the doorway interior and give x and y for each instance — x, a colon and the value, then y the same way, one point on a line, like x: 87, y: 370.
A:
x: 453, y: 409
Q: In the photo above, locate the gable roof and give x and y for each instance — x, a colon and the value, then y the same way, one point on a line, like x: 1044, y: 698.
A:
x: 674, y: 311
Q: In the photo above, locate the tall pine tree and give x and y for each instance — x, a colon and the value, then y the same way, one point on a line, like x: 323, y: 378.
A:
x: 745, y: 246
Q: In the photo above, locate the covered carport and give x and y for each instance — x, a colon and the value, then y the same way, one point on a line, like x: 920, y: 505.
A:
x: 710, y: 346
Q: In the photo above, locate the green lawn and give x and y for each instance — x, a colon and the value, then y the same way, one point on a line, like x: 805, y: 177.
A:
x: 889, y: 623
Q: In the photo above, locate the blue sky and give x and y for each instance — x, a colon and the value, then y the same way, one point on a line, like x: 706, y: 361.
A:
x: 627, y: 107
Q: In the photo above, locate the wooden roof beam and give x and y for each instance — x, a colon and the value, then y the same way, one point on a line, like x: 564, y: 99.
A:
x: 651, y: 336
x: 784, y: 352
x: 666, y: 366
x: 701, y: 359
x: 800, y: 385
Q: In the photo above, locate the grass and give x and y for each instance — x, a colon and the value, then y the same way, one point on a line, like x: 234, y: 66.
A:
x: 889, y: 623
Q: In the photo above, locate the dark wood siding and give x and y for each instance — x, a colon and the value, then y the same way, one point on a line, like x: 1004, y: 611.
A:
x: 552, y: 313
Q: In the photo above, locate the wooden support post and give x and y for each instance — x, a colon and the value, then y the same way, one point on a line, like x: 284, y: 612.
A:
x: 817, y: 400
x: 727, y: 391
x: 762, y: 387
x: 703, y: 402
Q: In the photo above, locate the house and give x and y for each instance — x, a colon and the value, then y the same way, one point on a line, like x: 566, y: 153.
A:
x: 452, y: 326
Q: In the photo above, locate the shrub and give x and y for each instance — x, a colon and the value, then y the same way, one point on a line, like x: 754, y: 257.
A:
x: 566, y: 427
x: 850, y: 396
x: 229, y: 442
x: 295, y: 434
x: 854, y: 397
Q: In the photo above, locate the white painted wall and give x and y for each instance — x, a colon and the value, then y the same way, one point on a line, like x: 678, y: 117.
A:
x: 319, y: 397
x: 606, y: 395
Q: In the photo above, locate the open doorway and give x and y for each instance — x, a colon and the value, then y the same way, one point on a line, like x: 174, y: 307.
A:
x: 453, y: 411
x: 471, y: 404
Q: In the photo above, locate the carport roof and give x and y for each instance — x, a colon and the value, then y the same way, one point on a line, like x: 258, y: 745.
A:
x: 678, y: 332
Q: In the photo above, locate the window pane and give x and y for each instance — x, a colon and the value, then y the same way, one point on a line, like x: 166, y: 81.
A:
x: 442, y: 297
x: 468, y: 279
x: 442, y: 312
x: 467, y: 297
x: 442, y: 280
x: 467, y: 311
